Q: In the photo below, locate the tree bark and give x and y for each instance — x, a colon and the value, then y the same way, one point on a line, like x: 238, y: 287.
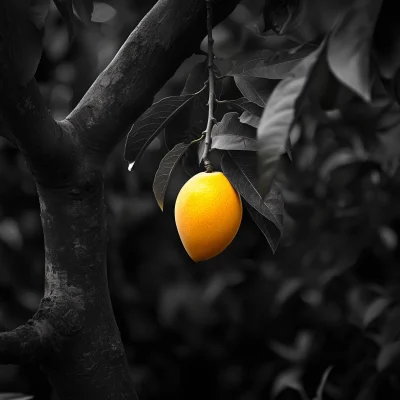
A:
x: 73, y: 335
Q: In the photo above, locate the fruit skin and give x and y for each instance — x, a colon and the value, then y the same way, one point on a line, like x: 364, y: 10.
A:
x: 208, y: 213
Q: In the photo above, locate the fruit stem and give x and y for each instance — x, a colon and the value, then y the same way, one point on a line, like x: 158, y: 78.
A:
x: 211, y: 85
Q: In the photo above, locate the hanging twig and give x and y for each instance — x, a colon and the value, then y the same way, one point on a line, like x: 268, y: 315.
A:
x: 211, y: 85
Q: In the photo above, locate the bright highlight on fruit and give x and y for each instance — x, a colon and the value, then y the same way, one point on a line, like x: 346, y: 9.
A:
x: 208, y: 213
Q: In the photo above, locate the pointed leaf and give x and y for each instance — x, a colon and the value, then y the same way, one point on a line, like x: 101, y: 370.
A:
x: 84, y: 9
x: 239, y: 168
x: 289, y: 379
x: 38, y: 11
x: 375, y: 309
x: 247, y: 105
x: 15, y: 396
x: 231, y: 124
x: 250, y: 119
x: 269, y: 64
x: 263, y: 223
x: 151, y: 123
x: 387, y: 40
x: 21, y: 40
x: 278, y: 119
x: 231, y: 134
x: 255, y: 90
x: 389, y: 354
x: 349, y: 47
x: 103, y: 12
x: 164, y: 172
x: 66, y: 10
x: 234, y: 142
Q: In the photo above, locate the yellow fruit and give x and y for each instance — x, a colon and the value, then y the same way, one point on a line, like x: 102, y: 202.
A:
x: 208, y: 213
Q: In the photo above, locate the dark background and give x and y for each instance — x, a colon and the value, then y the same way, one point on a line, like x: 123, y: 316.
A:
x: 246, y: 325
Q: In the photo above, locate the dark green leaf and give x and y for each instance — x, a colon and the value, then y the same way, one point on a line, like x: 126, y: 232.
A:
x: 289, y: 379
x: 239, y: 167
x: 389, y: 354
x: 368, y: 390
x: 375, y: 309
x: 21, y: 40
x: 103, y: 12
x: 336, y: 160
x: 255, y: 90
x: 163, y: 174
x: 15, y: 396
x: 231, y: 134
x: 387, y: 40
x: 66, y: 10
x: 250, y: 119
x: 84, y: 9
x: 234, y: 142
x: 349, y: 47
x: 230, y: 124
x: 278, y: 119
x: 38, y: 11
x: 151, y: 123
x: 268, y: 64
x: 247, y: 105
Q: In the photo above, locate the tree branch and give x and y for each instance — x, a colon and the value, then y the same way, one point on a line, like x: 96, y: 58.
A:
x: 171, y: 32
x: 211, y: 88
x: 29, y: 125
x: 25, y: 344
x: 57, y: 319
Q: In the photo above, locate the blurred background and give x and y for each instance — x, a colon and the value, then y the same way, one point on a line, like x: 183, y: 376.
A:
x: 246, y: 325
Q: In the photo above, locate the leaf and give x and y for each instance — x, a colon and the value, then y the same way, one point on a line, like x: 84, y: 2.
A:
x: 231, y: 134
x: 349, y: 47
x: 289, y: 379
x: 389, y: 354
x: 147, y: 127
x: 190, y: 125
x: 164, y: 172
x: 234, y: 142
x: 240, y: 167
x: 21, y: 40
x: 263, y: 223
x: 374, y: 310
x: 255, y: 90
x: 368, y: 390
x: 387, y: 40
x: 38, y: 11
x: 336, y: 160
x: 278, y: 119
x: 66, y: 10
x: 320, y: 390
x: 15, y: 396
x: 230, y: 124
x: 103, y: 12
x: 247, y: 105
x: 250, y: 119
x: 268, y: 64
x: 84, y: 9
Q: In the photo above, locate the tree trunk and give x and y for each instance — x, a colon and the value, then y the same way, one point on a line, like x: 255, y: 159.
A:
x: 73, y: 335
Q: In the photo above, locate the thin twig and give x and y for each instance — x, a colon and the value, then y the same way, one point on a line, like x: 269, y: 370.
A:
x: 211, y: 85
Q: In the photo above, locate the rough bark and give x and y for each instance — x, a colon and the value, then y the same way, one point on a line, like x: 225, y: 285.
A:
x: 73, y: 335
